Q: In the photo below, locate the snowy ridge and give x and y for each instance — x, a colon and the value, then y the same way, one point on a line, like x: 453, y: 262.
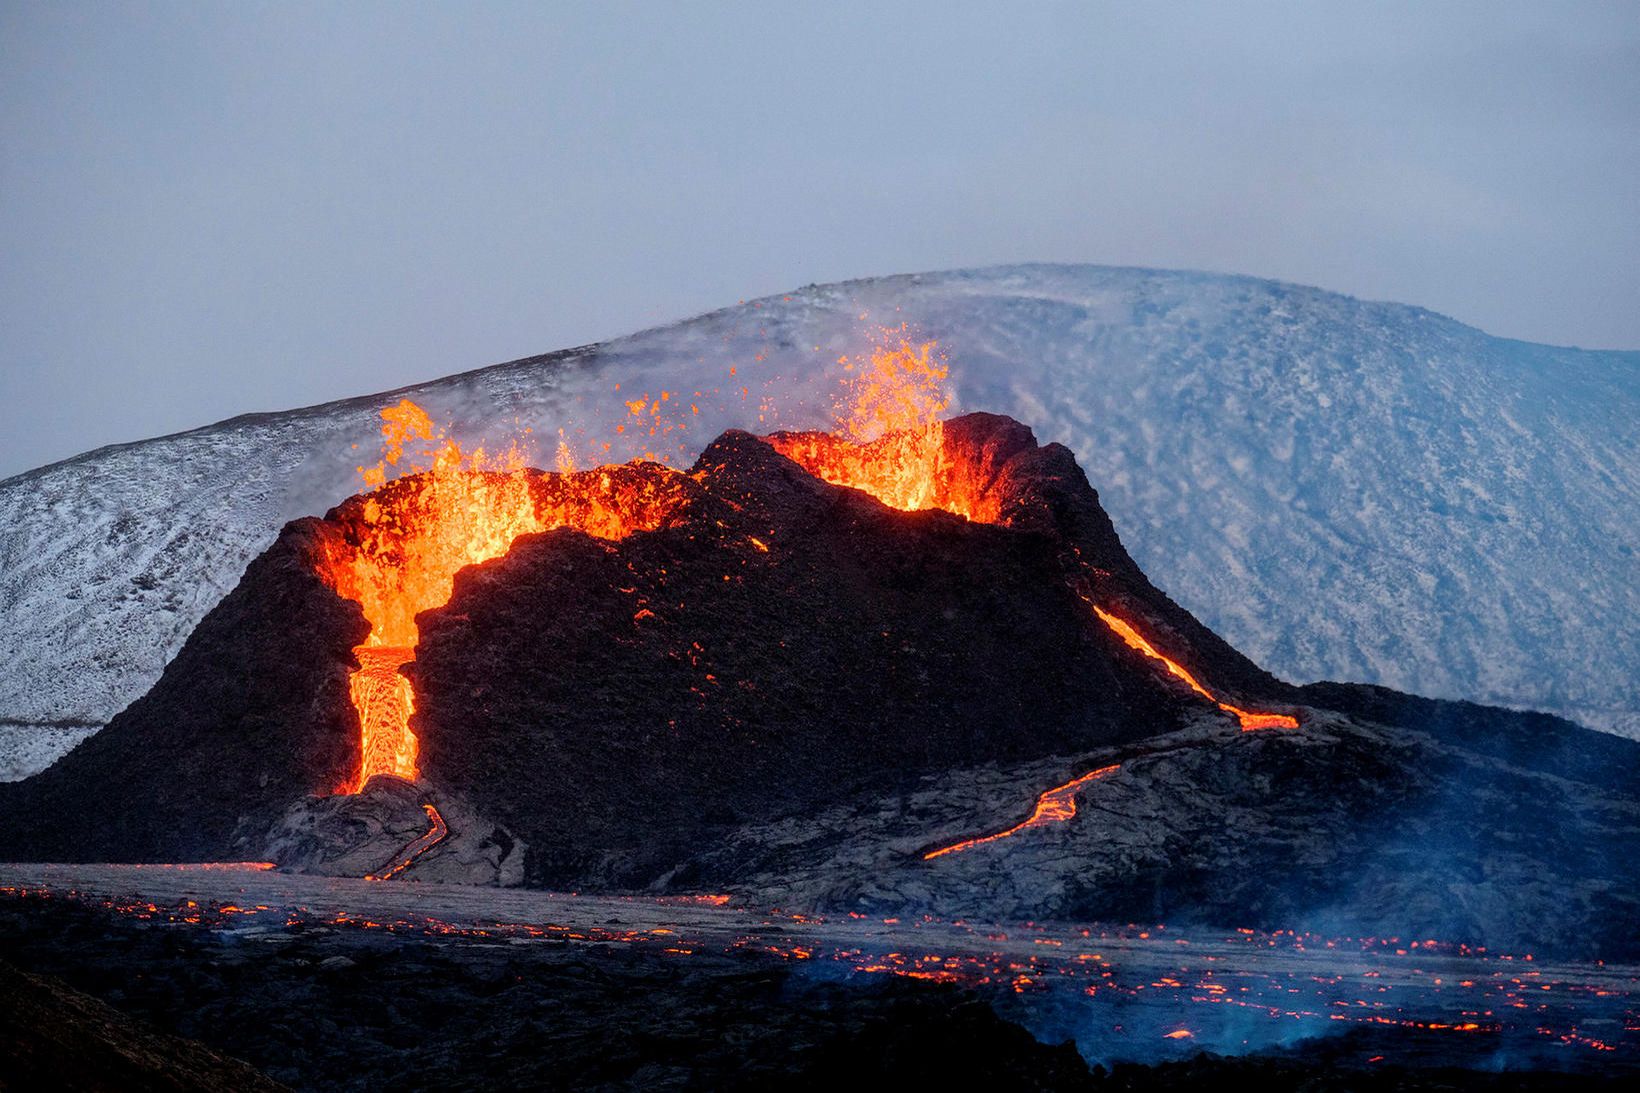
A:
x: 1342, y: 489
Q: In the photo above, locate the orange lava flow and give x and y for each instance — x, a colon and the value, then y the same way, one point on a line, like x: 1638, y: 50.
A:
x: 404, y: 545
x: 384, y: 701
x: 437, y: 832
x: 1249, y: 721
x: 1054, y: 807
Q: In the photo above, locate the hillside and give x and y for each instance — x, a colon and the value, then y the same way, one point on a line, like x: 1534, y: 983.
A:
x: 1342, y: 489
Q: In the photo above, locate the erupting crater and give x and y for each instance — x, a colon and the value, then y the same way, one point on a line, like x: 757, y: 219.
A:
x: 891, y: 443
x: 403, y: 542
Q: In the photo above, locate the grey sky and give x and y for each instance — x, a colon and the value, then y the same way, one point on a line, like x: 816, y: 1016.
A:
x: 207, y: 209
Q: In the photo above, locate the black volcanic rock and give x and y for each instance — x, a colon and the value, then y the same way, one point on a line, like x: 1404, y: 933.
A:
x: 786, y: 642
x: 992, y: 467
x: 1521, y: 738
x: 54, y: 1037
x: 252, y: 713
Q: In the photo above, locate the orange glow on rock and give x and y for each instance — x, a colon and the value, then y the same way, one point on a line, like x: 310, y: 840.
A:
x: 403, y: 545
x: 1053, y: 807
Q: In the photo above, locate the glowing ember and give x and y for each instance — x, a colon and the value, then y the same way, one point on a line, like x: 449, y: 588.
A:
x: 1053, y: 807
x: 1235, y: 991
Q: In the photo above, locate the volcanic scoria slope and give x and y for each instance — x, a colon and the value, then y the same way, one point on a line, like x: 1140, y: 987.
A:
x: 753, y: 679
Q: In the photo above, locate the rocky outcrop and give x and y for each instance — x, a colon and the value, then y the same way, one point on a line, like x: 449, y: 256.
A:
x: 367, y: 833
x: 1040, y: 488
x: 991, y: 468
x: 1345, y: 828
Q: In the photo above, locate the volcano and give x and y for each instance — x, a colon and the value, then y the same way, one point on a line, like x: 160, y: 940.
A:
x: 726, y: 643
x: 1343, y: 489
x: 918, y: 672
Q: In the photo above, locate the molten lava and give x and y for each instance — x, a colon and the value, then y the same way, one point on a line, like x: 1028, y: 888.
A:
x: 888, y: 439
x: 1135, y: 640
x: 402, y: 546
x: 1054, y: 807
x: 384, y: 701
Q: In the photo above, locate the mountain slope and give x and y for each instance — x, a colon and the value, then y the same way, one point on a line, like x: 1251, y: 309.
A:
x: 756, y: 682
x: 1342, y: 489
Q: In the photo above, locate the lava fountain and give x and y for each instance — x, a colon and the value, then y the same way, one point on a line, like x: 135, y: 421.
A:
x: 889, y: 440
x: 401, y: 548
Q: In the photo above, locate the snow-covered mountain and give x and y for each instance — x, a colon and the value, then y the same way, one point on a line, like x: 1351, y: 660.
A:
x: 1342, y: 489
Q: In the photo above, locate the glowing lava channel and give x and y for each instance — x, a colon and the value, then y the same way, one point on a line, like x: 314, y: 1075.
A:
x: 1058, y: 805
x: 385, y: 702
x: 437, y: 832
x: 1053, y: 807
x: 1249, y: 721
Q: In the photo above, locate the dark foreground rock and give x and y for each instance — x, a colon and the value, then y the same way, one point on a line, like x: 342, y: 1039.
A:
x: 349, y: 1009
x: 54, y: 1037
